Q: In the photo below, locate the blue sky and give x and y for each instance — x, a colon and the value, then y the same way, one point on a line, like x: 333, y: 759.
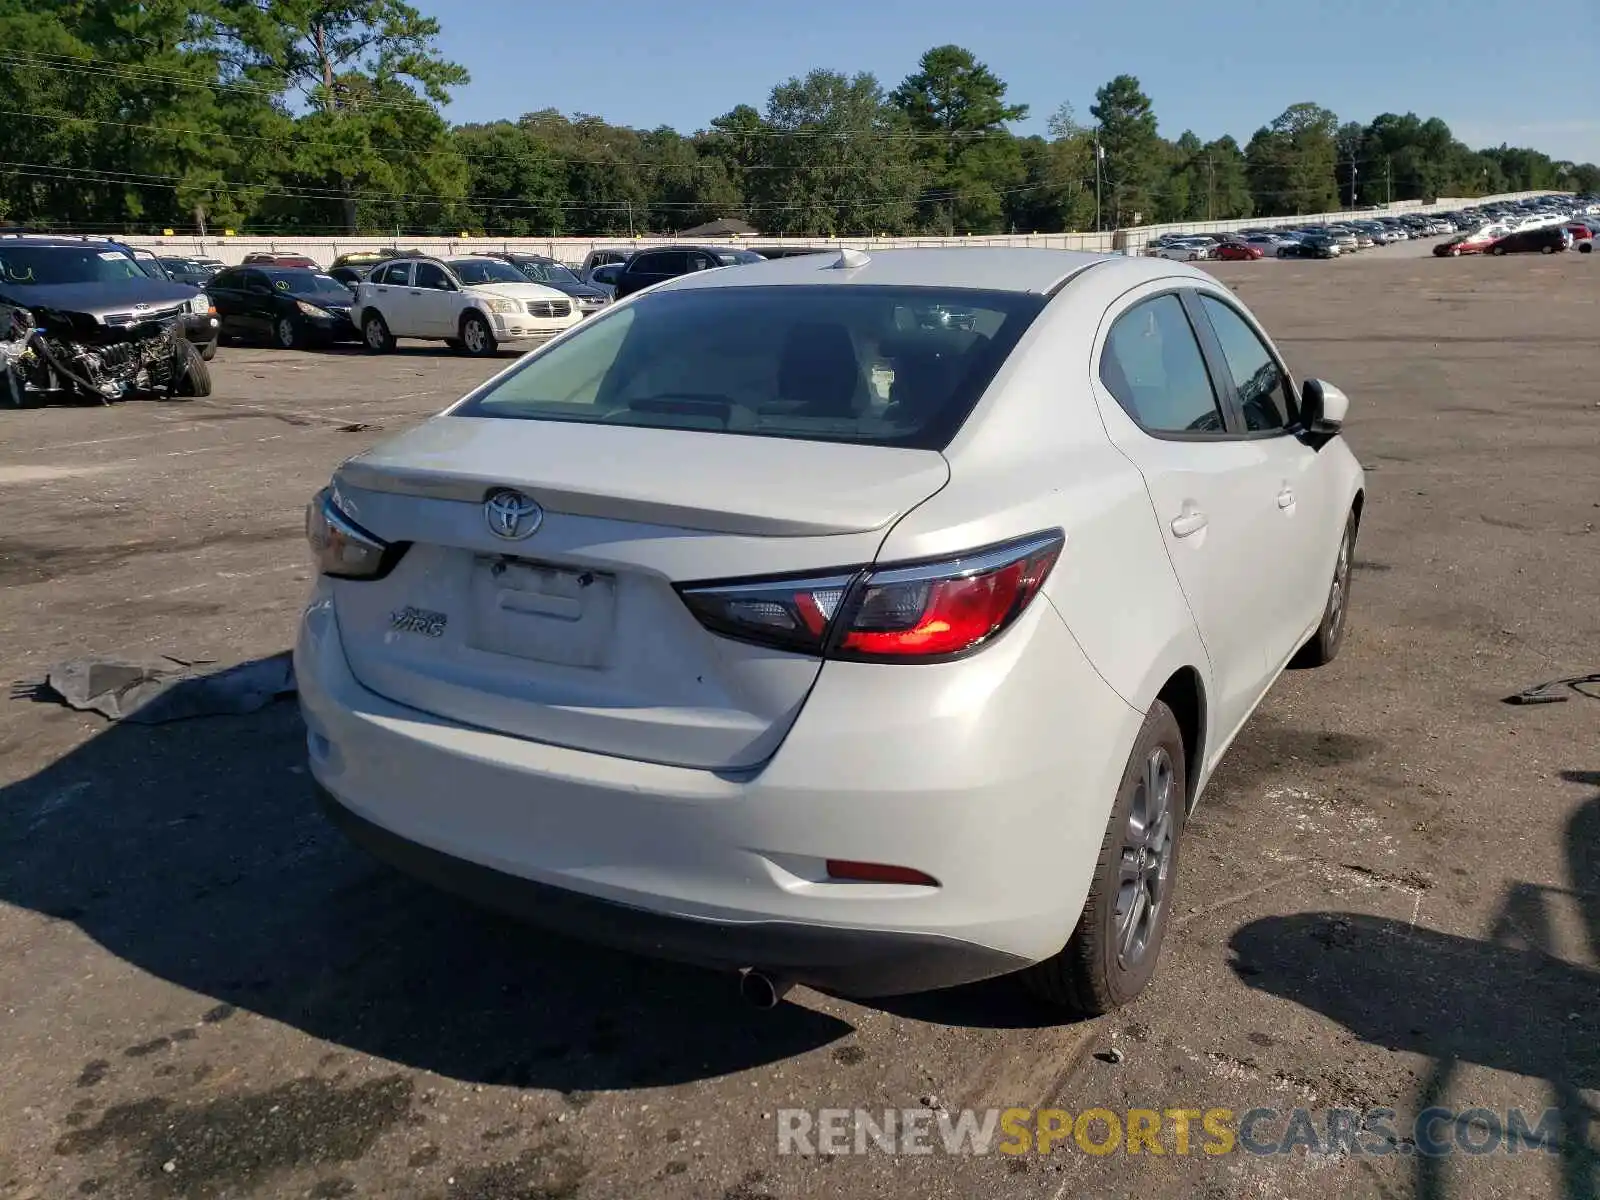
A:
x: 1527, y: 73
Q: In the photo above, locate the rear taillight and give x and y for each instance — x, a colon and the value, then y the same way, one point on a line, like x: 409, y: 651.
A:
x: 915, y: 612
x: 341, y: 548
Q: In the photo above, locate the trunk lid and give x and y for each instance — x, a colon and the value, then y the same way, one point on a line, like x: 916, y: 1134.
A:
x: 574, y: 635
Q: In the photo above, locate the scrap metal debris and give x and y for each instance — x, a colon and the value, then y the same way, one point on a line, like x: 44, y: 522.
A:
x: 1551, y: 693
x: 173, y: 690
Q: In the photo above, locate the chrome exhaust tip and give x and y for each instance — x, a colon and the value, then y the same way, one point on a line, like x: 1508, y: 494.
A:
x: 761, y: 990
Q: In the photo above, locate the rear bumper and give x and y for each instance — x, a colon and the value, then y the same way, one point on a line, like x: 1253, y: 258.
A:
x: 858, y: 962
x: 994, y: 775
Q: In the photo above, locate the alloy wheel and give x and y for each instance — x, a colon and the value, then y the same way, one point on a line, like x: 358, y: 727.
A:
x: 473, y: 335
x: 1146, y: 863
x: 1341, y: 585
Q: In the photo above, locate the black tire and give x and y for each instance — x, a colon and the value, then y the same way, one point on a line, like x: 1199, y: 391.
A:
x: 477, y: 339
x: 1586, y: 247
x: 1324, y: 645
x: 1547, y: 249
x: 1497, y: 249
x: 287, y: 334
x: 191, y: 375
x: 209, y: 350
x: 375, y: 334
x: 1092, y: 974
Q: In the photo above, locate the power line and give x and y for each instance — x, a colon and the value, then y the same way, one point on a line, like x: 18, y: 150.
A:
x: 178, y: 182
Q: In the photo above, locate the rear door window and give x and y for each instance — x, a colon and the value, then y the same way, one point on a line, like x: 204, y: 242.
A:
x: 666, y: 262
x: 1152, y: 365
x: 892, y: 366
x: 432, y: 276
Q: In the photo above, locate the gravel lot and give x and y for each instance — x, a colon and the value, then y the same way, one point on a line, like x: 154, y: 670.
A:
x: 1391, y: 897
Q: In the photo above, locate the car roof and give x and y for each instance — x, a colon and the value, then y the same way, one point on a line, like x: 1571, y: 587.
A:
x: 63, y: 243
x: 987, y: 268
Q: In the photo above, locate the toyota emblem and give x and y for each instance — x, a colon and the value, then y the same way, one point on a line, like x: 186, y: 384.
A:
x: 511, y: 514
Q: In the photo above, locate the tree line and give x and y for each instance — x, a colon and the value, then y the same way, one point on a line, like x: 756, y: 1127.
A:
x: 327, y: 116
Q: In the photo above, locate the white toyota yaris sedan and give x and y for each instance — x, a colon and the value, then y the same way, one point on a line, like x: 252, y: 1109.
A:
x: 869, y: 622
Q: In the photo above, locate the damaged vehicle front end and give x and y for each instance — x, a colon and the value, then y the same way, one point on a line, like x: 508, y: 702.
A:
x: 84, y: 323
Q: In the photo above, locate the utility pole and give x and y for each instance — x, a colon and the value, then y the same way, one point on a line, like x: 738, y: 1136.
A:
x: 1388, y: 181
x: 1211, y: 185
x: 1099, y: 157
x: 1352, y: 183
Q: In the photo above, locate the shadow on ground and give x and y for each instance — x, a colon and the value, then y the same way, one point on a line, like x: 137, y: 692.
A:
x: 195, y: 852
x: 1508, y: 1002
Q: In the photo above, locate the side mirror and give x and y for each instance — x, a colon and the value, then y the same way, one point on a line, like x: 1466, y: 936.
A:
x: 1323, y: 407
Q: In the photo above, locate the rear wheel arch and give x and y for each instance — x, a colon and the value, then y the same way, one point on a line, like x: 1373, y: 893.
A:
x: 1185, y: 694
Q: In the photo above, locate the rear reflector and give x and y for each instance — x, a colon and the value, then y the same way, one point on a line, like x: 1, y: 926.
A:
x: 922, y: 612
x: 864, y: 872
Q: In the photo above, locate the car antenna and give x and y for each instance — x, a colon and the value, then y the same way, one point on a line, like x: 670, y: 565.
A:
x: 849, y: 260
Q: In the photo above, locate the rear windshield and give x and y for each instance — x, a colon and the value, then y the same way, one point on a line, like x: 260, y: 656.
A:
x: 889, y: 366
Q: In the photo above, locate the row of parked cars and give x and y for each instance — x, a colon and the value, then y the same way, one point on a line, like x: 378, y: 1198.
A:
x: 1546, y: 223
x: 475, y: 303
x: 1304, y: 241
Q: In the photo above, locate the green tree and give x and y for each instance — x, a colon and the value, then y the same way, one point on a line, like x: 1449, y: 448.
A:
x: 836, y: 159
x: 1292, y: 162
x: 1186, y: 195
x: 373, y: 79
x: 130, y: 123
x: 515, y: 184
x: 1132, y: 161
x: 957, y: 105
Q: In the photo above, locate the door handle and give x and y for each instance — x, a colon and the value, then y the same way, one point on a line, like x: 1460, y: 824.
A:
x: 1190, y: 522
x: 1286, y: 498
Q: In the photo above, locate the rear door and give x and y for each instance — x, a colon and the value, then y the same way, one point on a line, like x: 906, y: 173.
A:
x: 226, y: 290
x: 390, y: 288
x: 1164, y: 411
x: 258, y: 307
x: 568, y: 630
x: 432, y: 299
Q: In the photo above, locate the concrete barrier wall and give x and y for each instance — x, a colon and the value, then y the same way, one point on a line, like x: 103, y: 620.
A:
x: 324, y: 250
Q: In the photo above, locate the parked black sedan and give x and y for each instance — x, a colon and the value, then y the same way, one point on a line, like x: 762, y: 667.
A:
x: 289, y: 306
x: 1310, y: 245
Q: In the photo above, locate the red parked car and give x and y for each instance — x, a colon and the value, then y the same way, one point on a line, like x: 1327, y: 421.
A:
x: 1238, y: 252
